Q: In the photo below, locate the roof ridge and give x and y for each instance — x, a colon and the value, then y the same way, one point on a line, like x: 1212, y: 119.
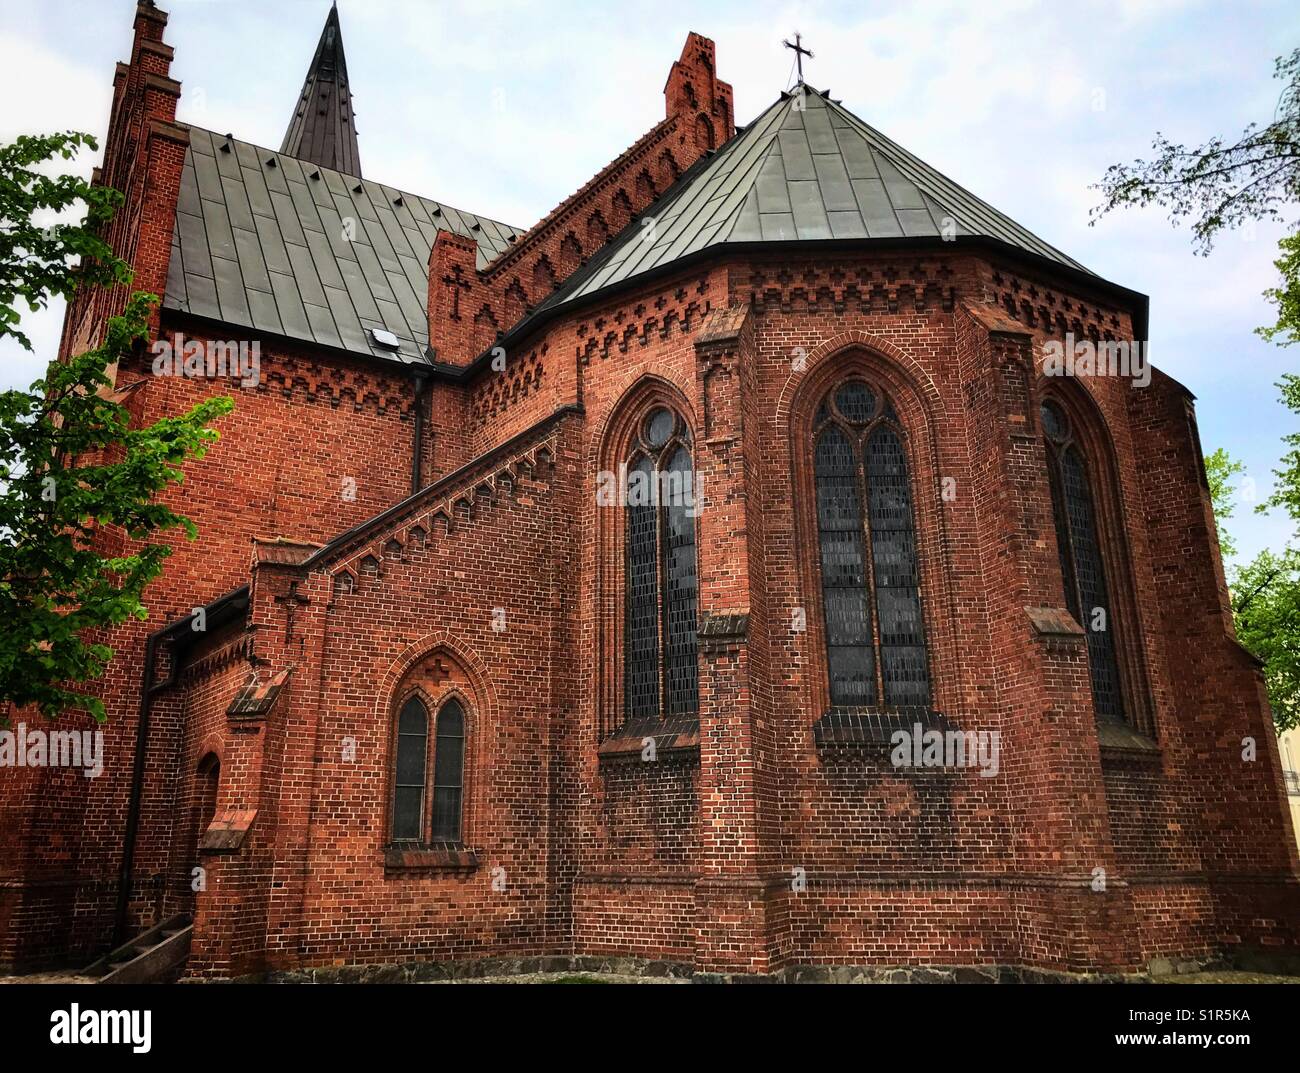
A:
x: 767, y: 134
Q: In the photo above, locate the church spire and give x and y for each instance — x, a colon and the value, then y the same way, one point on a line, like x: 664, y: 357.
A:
x: 323, y: 129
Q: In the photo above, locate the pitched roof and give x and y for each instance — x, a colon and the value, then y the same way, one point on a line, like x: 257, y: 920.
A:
x: 323, y: 127
x: 806, y: 169
x: 261, y: 240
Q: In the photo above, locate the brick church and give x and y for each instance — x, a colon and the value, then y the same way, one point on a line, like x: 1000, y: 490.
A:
x: 435, y: 688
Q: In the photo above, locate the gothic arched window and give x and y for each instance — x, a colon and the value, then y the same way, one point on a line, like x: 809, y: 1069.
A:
x: 448, y: 772
x: 660, y: 673
x: 409, y: 771
x: 412, y: 766
x: 1083, y: 569
x: 871, y: 598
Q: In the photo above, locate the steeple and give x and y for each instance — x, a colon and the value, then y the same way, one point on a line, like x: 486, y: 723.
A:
x: 323, y: 129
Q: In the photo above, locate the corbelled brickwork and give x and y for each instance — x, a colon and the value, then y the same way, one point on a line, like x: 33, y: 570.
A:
x: 760, y: 835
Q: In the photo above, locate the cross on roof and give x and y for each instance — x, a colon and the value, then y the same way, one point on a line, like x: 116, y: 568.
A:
x: 799, y: 52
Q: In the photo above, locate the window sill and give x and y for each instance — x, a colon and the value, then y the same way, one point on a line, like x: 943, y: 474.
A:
x: 414, y: 859
x: 871, y: 729
x: 677, y: 737
x: 1119, y: 741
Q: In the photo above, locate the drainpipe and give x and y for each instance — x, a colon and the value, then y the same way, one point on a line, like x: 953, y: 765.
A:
x: 148, y: 688
x: 420, y: 377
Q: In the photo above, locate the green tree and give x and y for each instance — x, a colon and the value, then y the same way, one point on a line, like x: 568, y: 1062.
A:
x: 1286, y: 490
x: 1217, y: 185
x: 1266, y: 591
x: 1266, y: 607
x: 1266, y: 611
x: 1219, y: 470
x: 79, y: 487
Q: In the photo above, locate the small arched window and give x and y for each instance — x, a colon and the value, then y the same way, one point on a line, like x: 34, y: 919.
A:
x: 441, y: 820
x: 448, y: 772
x: 1083, y: 568
x: 871, y: 597
x: 660, y: 671
x: 409, y: 772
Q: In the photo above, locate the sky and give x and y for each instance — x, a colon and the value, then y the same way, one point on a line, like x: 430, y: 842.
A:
x: 505, y: 107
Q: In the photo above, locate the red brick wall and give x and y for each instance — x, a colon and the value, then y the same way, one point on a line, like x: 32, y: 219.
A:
x: 279, y: 469
x: 1074, y: 857
x: 692, y: 859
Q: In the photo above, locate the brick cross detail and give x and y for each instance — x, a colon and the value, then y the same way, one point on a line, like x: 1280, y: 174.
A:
x: 457, y: 282
x: 441, y: 672
x: 291, y: 601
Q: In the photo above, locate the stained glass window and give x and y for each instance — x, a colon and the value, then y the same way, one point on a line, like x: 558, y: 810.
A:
x: 893, y: 552
x: 1082, y: 566
x: 871, y: 599
x: 641, y: 672
x: 448, y: 772
x: 844, y: 593
x: 660, y: 670
x: 412, y: 753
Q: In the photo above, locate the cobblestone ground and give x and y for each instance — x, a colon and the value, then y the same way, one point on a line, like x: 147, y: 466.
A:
x: 1222, y: 977
x: 571, y: 978
x: 47, y: 978
x: 1225, y: 977
x: 1229, y: 978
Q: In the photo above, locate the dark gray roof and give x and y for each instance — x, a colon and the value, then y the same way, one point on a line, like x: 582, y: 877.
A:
x: 806, y: 169
x: 323, y: 128
x: 260, y: 241
x: 260, y: 237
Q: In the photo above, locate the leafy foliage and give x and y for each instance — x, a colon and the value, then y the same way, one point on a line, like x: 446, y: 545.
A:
x: 1286, y: 296
x: 79, y: 486
x: 1220, y: 469
x: 1220, y: 185
x: 35, y: 261
x: 1266, y: 610
x: 1286, y: 489
x: 1266, y: 591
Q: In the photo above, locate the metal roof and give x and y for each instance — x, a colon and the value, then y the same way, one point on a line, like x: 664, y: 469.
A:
x: 261, y: 241
x: 806, y: 169
x: 323, y: 128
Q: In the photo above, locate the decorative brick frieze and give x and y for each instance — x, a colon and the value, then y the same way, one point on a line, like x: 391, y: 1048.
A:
x: 866, y: 286
x: 613, y: 332
x: 1040, y: 305
x: 494, y: 395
